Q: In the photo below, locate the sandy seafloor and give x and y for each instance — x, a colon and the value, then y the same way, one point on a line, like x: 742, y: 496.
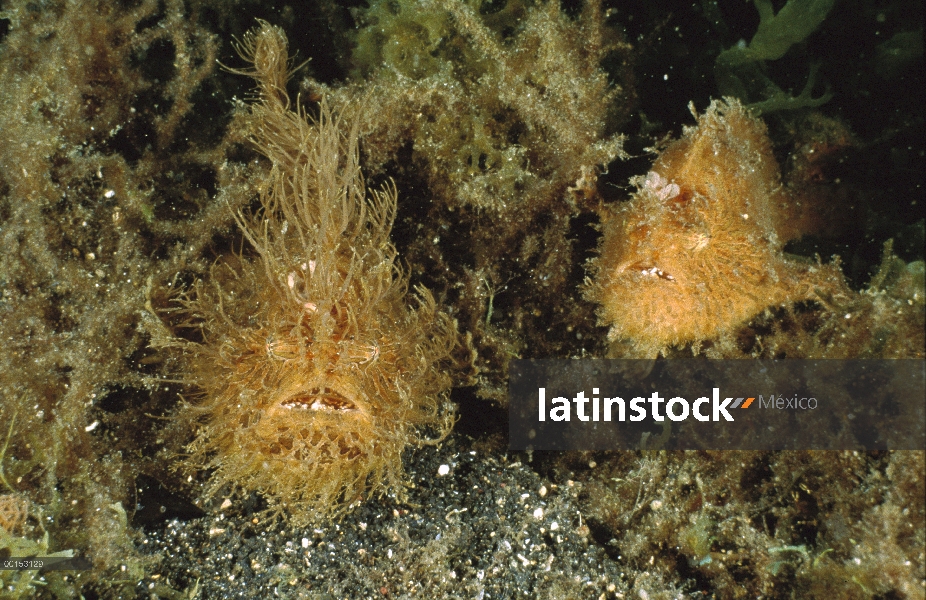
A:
x: 489, y: 528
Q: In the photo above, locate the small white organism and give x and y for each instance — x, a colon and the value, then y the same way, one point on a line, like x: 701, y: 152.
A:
x: 660, y: 186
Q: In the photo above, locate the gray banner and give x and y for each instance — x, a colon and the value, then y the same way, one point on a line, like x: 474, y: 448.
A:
x: 717, y: 404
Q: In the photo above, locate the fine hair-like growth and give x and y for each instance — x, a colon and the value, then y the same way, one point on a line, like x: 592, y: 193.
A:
x: 698, y: 250
x: 315, y: 373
